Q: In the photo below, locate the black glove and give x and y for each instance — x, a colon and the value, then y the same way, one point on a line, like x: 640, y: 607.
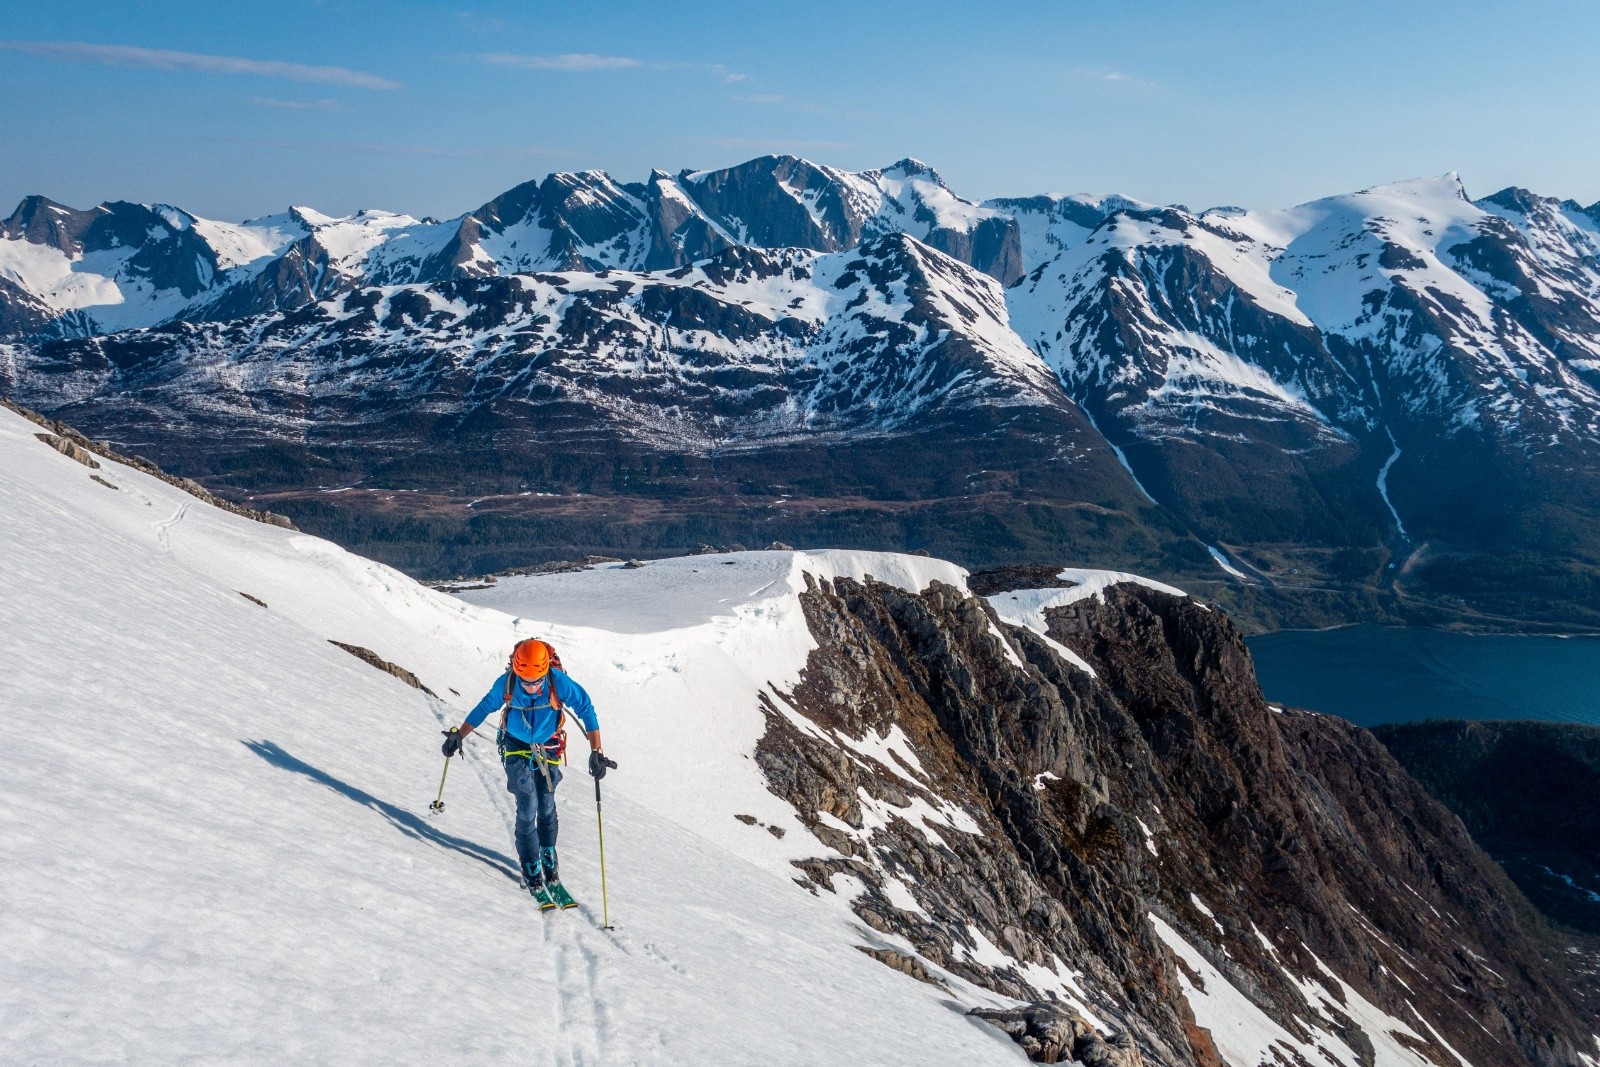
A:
x: 452, y: 741
x: 598, y: 764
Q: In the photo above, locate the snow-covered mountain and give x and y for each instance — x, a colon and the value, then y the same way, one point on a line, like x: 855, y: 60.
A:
x: 746, y: 347
x: 1402, y: 335
x: 1399, y: 373
x: 69, y: 273
x: 809, y: 384
x: 1049, y: 225
x: 855, y: 803
x: 1408, y: 301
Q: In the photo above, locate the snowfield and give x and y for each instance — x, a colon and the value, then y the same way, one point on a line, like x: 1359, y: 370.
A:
x: 214, y: 824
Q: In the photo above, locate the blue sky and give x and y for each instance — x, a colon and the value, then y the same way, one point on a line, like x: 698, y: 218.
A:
x: 239, y: 109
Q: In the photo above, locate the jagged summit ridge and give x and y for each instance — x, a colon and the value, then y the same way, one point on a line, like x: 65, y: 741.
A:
x: 125, y: 265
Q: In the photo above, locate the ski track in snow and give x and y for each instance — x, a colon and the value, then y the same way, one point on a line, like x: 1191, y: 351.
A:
x: 164, y: 527
x: 570, y: 965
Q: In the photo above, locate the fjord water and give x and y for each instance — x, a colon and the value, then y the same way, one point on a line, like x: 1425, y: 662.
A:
x: 1378, y: 674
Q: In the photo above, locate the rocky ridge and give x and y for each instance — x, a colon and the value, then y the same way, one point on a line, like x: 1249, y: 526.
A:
x: 1137, y: 842
x: 70, y: 442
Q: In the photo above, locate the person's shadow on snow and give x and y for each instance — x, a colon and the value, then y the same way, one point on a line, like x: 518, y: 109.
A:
x: 404, y: 821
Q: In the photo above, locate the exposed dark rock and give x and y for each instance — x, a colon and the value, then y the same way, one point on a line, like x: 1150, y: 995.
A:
x: 910, y: 966
x: 1321, y: 834
x: 1049, y: 1033
x: 559, y: 566
x: 1060, y: 812
x: 458, y: 586
x: 262, y: 603
x: 1022, y: 576
x: 366, y: 655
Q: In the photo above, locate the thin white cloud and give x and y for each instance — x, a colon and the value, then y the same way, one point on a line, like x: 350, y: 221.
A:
x: 719, y: 70
x: 294, y: 105
x: 572, y: 61
x: 121, y: 55
x: 584, y: 62
x: 1115, y: 78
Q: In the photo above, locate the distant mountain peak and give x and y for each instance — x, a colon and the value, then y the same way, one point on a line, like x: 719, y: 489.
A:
x: 1448, y: 186
x: 910, y: 167
x: 310, y: 217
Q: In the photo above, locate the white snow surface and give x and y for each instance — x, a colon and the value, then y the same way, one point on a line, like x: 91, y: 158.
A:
x: 1383, y: 488
x: 1228, y: 565
x: 217, y: 848
x: 1246, y: 1036
x: 1027, y: 607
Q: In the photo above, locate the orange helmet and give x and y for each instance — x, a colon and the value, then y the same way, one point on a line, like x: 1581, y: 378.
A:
x: 530, y: 660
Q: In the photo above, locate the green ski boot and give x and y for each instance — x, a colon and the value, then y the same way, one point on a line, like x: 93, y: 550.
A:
x: 533, y: 882
x: 552, y: 879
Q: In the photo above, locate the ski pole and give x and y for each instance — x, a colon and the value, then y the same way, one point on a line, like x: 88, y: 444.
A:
x: 438, y: 803
x: 605, y: 900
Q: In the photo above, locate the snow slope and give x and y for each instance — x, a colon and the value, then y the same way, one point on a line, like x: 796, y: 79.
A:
x: 215, y: 837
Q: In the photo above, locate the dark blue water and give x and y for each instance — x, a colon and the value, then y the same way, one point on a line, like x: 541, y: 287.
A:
x: 1374, y: 674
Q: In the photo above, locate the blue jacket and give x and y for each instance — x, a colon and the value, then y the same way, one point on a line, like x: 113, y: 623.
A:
x: 533, y: 718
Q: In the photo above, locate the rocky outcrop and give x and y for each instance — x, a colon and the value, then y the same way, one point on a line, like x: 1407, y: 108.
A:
x: 367, y: 656
x: 70, y: 449
x: 1046, y: 833
x: 70, y: 442
x: 1050, y: 1034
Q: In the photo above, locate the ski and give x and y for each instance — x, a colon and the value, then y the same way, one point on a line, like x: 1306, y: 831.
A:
x: 559, y: 894
x: 541, y: 895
